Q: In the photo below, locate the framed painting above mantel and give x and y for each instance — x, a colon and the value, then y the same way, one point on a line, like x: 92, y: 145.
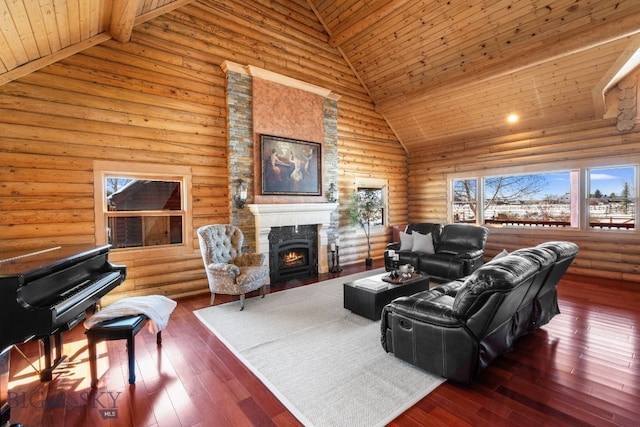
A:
x: 290, y: 166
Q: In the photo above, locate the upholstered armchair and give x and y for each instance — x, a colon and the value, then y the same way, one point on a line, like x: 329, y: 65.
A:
x: 229, y: 270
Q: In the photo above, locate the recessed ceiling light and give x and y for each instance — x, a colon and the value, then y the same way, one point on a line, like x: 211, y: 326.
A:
x: 512, y: 118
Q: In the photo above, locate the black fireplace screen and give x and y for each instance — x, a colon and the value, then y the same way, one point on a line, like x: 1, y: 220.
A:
x: 293, y: 253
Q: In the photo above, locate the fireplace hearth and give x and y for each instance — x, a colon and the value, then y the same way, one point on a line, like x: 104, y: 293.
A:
x: 292, y: 253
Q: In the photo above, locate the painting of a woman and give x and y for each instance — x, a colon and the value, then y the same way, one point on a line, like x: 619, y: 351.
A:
x: 290, y: 166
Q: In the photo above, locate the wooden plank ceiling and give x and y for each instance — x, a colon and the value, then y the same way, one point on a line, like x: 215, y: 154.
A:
x: 437, y: 70
x: 443, y: 70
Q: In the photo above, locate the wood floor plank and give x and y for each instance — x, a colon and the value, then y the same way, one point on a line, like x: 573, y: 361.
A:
x: 209, y: 411
x: 580, y: 369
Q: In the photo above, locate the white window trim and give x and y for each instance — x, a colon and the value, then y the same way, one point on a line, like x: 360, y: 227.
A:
x: 102, y: 169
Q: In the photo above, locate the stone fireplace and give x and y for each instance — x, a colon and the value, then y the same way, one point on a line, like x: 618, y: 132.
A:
x: 260, y: 102
x: 270, y: 217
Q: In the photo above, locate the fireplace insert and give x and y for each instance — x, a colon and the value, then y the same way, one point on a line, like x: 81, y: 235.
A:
x: 293, y: 254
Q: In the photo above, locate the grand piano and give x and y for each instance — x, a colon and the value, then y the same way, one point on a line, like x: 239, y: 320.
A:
x: 45, y: 293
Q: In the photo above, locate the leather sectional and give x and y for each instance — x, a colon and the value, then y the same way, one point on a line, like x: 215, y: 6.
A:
x: 457, y: 329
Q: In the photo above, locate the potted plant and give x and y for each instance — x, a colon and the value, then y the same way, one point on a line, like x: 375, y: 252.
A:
x: 366, y: 209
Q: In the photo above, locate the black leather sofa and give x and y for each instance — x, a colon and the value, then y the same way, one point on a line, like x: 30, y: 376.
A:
x: 457, y: 329
x: 458, y: 250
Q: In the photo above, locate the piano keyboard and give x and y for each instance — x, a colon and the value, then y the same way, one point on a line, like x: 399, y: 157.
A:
x: 84, y: 292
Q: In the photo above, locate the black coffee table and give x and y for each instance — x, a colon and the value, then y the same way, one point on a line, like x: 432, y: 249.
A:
x: 368, y: 302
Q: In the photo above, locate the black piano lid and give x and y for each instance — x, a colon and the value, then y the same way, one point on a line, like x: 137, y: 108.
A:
x: 38, y: 263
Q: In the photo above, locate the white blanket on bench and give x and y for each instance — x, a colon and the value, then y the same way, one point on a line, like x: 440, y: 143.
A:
x: 157, y: 308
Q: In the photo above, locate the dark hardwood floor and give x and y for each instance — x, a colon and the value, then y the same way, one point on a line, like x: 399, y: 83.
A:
x: 581, y: 369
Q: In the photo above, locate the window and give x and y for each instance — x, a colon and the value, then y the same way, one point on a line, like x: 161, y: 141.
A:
x: 549, y: 199
x: 374, y: 195
x: 137, y: 206
x: 464, y: 200
x: 374, y: 190
x: 612, y: 198
x: 543, y: 199
x: 528, y: 200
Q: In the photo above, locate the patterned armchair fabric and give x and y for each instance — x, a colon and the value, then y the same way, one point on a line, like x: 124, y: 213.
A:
x: 229, y: 270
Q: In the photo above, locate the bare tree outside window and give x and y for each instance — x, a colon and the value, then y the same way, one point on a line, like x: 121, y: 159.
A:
x: 113, y: 185
x: 520, y: 200
x: 512, y: 189
x: 464, y: 200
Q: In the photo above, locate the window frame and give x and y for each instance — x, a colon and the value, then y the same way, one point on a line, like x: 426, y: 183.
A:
x: 377, y: 184
x: 579, y: 196
x: 105, y: 169
x: 451, y: 196
x: 587, y: 195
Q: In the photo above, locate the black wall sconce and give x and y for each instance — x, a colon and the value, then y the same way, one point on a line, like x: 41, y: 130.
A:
x: 240, y: 194
x: 332, y: 193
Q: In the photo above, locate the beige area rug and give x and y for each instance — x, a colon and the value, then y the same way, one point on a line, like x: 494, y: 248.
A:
x: 323, y: 362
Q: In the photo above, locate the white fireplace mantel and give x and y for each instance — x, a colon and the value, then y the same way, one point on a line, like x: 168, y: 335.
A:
x: 267, y: 216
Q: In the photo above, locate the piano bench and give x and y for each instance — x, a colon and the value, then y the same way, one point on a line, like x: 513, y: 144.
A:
x: 116, y: 329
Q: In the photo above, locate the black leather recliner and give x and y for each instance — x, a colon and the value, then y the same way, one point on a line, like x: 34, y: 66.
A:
x: 456, y: 329
x: 459, y: 250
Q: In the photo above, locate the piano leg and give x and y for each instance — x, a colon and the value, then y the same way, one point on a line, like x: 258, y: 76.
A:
x: 59, y: 356
x: 5, y: 409
x: 49, y: 365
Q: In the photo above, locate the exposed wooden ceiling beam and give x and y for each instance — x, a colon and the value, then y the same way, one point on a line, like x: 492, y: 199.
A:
x: 123, y: 15
x: 566, y: 45
x: 37, y: 64
x: 362, y: 20
x: 161, y: 10
x: 125, y: 8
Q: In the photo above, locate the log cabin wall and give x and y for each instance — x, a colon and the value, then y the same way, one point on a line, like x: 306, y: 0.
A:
x: 160, y: 99
x: 607, y: 254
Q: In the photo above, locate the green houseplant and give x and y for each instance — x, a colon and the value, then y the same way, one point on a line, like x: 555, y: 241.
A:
x: 366, y: 209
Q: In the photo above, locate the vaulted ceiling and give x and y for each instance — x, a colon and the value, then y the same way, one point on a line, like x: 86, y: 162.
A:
x: 442, y: 70
x: 437, y: 70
